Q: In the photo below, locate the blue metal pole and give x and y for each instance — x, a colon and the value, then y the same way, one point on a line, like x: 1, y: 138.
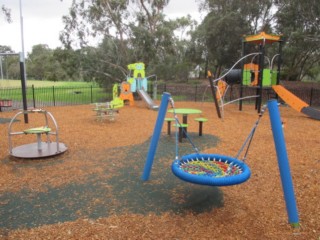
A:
x: 283, y: 163
x: 156, y: 135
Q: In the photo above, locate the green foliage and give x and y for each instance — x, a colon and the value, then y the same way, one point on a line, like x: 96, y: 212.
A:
x: 134, y: 31
x: 7, y: 13
x: 10, y: 63
x: 299, y: 21
x: 42, y: 64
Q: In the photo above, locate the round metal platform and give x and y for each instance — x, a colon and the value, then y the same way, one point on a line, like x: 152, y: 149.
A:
x: 32, y: 150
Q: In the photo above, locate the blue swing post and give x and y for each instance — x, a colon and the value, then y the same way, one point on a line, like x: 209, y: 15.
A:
x: 283, y: 163
x: 156, y: 135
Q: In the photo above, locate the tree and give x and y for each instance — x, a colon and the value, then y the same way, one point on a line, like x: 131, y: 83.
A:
x: 10, y: 63
x: 69, y: 61
x: 226, y: 23
x: 299, y: 21
x: 41, y: 64
x: 97, y: 19
x: 7, y: 13
x: 142, y: 34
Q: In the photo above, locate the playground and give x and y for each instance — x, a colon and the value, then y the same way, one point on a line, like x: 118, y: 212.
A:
x: 94, y: 189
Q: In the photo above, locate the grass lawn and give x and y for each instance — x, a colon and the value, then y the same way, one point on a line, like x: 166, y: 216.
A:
x: 37, y: 83
x: 49, y: 91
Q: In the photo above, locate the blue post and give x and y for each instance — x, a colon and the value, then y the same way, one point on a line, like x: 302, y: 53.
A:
x: 156, y: 135
x: 283, y: 163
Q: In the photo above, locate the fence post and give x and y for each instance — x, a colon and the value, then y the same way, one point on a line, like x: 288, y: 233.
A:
x: 196, y: 92
x: 91, y: 94
x: 154, y: 90
x: 311, y: 96
x: 54, y: 99
x: 33, y: 96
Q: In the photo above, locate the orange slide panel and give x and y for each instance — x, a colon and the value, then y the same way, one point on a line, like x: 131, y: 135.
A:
x: 291, y: 99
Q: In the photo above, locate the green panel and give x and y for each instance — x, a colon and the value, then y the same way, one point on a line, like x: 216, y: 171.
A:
x: 246, y: 77
x: 138, y: 69
x: 266, y: 77
x: 131, y: 80
x: 274, y: 75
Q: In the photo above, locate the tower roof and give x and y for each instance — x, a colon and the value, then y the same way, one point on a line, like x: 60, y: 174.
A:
x: 262, y: 38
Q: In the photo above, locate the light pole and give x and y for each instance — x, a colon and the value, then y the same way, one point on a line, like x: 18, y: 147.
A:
x: 23, y: 69
x: 22, y: 43
x: 1, y: 67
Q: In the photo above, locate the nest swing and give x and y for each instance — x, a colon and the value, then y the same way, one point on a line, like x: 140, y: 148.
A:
x: 213, y: 169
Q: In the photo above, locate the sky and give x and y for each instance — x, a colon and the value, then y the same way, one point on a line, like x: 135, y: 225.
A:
x: 42, y: 21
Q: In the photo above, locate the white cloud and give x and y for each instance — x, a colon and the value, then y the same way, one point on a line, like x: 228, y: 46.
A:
x: 180, y: 8
x: 42, y: 21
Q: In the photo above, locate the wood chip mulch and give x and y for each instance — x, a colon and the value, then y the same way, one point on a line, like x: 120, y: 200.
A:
x: 94, y: 190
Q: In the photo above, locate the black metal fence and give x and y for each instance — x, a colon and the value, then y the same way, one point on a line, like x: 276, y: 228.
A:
x: 197, y: 93
x: 39, y: 97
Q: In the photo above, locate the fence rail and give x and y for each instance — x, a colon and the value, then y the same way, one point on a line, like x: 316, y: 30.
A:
x: 39, y: 97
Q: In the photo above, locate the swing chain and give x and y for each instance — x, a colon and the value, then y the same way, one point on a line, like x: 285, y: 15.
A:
x: 176, y: 131
x: 251, y: 134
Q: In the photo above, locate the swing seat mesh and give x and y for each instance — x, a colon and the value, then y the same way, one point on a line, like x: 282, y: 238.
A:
x: 211, y: 169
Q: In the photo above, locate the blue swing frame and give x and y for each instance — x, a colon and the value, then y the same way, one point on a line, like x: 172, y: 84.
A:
x: 213, y: 181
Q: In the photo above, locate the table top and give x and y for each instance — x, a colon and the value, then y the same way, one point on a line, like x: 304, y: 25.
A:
x: 185, y: 111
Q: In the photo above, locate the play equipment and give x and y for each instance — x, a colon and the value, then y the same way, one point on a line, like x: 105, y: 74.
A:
x: 182, y: 129
x: 257, y: 74
x: 105, y: 110
x: 201, y: 121
x: 39, y: 149
x: 283, y: 163
x: 137, y: 77
x: 109, y: 109
x: 200, y: 168
x: 5, y: 103
x: 126, y: 93
x: 211, y: 169
x: 221, y: 170
x: 219, y: 88
x: 254, y: 74
x: 295, y: 102
x: 116, y: 102
x: 169, y: 120
x: 137, y: 82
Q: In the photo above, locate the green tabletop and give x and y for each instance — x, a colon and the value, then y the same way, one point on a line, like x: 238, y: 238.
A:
x: 185, y: 111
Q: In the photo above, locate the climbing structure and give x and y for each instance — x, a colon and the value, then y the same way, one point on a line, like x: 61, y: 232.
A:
x: 137, y: 77
x: 138, y: 83
x: 126, y: 94
x: 256, y: 73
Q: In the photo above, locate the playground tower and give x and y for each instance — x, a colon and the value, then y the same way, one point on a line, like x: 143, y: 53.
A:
x: 257, y: 73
